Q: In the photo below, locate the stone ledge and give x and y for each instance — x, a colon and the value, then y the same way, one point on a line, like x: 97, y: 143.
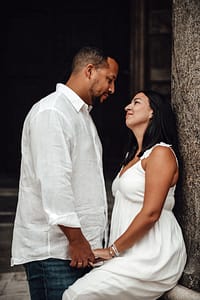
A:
x: 180, y: 292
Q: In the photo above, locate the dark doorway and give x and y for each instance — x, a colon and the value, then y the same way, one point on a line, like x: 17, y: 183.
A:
x: 38, y: 42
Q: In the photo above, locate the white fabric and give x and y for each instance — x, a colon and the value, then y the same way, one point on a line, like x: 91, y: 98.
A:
x: 61, y: 179
x: 148, y: 269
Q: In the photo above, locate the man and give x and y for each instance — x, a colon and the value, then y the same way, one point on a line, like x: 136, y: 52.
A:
x: 62, y: 211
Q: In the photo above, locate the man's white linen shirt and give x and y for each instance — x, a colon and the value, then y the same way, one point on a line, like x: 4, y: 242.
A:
x: 61, y: 179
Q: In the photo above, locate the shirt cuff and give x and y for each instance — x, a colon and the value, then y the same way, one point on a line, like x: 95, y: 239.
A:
x: 68, y: 220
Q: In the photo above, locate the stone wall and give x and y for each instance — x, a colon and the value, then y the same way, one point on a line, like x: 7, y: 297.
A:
x: 186, y: 102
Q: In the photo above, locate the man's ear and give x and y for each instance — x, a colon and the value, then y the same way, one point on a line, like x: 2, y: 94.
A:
x: 89, y: 70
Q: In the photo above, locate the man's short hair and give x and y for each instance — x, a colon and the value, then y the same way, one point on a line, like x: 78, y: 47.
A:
x: 89, y: 55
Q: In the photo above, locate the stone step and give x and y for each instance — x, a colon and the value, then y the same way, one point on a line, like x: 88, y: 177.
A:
x: 7, y: 217
x: 8, y: 204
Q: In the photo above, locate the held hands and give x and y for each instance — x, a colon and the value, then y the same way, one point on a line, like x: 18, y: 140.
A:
x: 80, y: 251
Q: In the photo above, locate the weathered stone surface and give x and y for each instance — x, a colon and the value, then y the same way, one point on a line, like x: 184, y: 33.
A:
x: 186, y: 102
x: 181, y: 293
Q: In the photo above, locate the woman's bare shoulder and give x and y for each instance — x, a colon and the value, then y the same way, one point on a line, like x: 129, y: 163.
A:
x: 164, y: 153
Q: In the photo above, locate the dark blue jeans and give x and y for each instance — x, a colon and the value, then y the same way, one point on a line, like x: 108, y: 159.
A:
x: 50, y: 277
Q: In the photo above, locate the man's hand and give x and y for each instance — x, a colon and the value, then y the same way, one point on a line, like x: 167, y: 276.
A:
x: 79, y: 248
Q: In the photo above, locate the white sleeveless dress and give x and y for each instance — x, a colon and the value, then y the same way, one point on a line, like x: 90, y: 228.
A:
x: 153, y: 265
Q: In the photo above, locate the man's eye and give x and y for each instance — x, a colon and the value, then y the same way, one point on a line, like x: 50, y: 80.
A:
x: 109, y: 80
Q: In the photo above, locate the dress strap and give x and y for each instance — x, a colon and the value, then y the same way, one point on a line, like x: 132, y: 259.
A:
x: 148, y: 151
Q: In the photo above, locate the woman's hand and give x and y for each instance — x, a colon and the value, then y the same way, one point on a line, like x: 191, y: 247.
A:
x: 100, y: 256
x: 104, y: 254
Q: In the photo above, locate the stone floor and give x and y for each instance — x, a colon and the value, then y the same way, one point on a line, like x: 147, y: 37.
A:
x: 13, y: 286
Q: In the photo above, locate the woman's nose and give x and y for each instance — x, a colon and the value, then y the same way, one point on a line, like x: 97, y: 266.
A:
x: 127, y: 107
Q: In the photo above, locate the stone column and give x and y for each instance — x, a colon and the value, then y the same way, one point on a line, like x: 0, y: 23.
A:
x: 186, y: 102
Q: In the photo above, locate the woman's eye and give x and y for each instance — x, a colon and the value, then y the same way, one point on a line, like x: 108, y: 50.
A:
x: 135, y: 101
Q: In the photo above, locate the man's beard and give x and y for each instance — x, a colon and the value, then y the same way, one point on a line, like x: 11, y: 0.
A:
x: 96, y: 101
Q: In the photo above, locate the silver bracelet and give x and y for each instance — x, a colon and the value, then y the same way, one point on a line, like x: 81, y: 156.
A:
x: 114, y: 248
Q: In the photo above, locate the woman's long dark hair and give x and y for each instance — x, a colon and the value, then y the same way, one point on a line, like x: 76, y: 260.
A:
x: 161, y: 128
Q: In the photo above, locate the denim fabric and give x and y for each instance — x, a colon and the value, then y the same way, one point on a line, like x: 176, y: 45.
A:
x: 49, y: 278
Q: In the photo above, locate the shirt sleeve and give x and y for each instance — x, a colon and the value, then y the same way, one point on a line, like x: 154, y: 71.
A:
x: 52, y: 163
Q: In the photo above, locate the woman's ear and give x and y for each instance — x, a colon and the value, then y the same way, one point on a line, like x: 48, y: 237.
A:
x: 151, y: 115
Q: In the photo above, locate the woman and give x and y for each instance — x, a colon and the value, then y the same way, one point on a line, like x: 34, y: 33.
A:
x: 147, y: 255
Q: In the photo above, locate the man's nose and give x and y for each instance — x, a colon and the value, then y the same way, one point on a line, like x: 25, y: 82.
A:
x: 111, y: 89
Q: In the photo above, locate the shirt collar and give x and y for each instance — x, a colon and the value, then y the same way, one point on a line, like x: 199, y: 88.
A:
x: 75, y: 100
